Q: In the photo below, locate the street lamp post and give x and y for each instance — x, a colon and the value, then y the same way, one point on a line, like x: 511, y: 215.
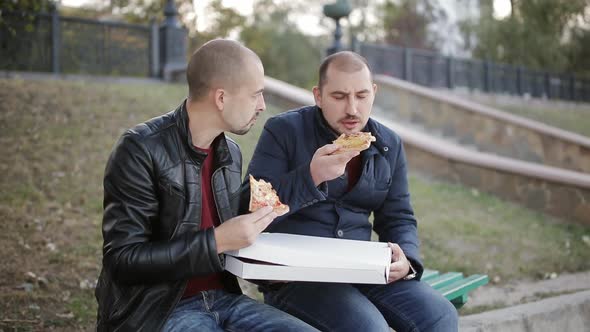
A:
x: 173, y: 44
x: 170, y: 14
x: 336, y: 11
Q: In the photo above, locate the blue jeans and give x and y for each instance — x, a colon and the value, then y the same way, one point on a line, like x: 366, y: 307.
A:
x: 403, y: 305
x: 218, y: 310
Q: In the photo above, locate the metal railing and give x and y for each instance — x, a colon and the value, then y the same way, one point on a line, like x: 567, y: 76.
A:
x: 52, y: 43
x: 438, y: 71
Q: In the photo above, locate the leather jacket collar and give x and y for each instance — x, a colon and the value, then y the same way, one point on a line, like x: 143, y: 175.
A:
x: 222, y: 154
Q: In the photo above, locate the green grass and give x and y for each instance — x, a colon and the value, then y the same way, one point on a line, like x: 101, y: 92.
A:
x: 464, y: 230
x: 575, y: 120
x: 82, y: 307
x: 55, y: 138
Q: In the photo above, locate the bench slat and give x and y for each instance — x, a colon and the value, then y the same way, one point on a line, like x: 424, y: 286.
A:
x: 428, y: 274
x: 444, y: 279
x: 452, y: 285
x: 461, y: 287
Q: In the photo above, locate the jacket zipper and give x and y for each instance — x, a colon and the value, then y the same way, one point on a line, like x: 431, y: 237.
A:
x: 176, y: 230
x: 183, y: 288
x: 215, y: 196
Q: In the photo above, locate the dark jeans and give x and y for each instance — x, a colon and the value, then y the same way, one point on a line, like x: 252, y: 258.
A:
x: 217, y: 310
x: 402, y: 305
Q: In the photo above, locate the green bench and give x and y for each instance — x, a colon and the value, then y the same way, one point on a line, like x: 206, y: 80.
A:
x: 453, y: 286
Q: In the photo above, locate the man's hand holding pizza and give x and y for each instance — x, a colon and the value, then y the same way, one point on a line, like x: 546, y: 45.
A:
x: 241, y: 231
x: 326, y: 165
x: 329, y: 161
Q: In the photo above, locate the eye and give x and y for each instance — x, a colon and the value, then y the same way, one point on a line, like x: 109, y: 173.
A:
x: 339, y: 97
x: 363, y: 96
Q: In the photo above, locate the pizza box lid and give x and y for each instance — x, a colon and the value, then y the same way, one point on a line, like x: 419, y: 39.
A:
x: 311, y: 251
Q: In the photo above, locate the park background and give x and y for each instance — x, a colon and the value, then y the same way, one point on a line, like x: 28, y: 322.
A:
x: 66, y: 94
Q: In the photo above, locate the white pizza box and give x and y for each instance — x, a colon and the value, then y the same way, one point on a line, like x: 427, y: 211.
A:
x: 289, y: 257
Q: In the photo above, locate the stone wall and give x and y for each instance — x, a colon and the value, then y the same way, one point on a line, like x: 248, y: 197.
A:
x: 483, y: 127
x: 568, y: 202
x: 563, y: 193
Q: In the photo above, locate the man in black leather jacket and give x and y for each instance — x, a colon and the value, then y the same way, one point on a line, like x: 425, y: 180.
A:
x: 171, y: 196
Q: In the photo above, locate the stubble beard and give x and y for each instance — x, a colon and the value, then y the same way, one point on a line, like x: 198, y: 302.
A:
x: 246, y: 129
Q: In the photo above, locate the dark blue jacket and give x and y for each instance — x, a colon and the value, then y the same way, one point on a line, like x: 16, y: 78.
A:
x: 282, y: 157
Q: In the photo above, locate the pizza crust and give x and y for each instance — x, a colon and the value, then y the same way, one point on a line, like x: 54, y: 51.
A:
x: 354, y: 142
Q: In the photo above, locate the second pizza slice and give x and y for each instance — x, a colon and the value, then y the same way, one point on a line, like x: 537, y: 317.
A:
x: 262, y: 194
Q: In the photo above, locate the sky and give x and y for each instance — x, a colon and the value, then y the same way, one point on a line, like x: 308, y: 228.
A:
x: 308, y: 23
x: 501, y: 8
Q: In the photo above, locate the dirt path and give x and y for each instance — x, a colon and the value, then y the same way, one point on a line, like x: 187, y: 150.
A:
x: 519, y: 292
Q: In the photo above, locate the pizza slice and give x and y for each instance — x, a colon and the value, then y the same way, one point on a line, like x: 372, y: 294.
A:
x: 262, y: 194
x: 354, y: 142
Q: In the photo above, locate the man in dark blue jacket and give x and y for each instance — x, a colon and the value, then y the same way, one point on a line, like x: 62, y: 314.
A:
x: 332, y: 195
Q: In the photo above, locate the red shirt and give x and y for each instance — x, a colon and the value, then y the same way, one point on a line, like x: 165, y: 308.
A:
x: 209, y: 218
x: 354, y: 170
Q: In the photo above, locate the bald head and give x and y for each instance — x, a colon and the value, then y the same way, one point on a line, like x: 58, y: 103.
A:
x: 219, y: 63
x: 345, y: 61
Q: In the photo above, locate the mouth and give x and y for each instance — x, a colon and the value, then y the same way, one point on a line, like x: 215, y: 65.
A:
x: 254, y: 118
x: 349, y: 124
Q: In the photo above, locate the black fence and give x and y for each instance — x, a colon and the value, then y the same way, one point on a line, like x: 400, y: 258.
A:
x: 437, y: 71
x: 51, y: 43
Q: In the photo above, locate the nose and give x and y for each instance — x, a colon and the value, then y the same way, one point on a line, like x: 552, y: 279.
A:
x: 351, y: 106
x: 261, y: 105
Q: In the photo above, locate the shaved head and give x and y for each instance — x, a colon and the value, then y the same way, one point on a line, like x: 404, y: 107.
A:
x: 345, y: 61
x: 219, y: 63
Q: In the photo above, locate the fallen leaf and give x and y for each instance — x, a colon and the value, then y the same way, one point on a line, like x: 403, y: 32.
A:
x: 51, y: 246
x: 65, y: 296
x: 68, y: 315
x: 87, y: 284
x: 31, y: 276
x: 43, y: 282
x: 27, y: 287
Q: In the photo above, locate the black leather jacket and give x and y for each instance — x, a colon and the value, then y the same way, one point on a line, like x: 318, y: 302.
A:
x: 151, y: 224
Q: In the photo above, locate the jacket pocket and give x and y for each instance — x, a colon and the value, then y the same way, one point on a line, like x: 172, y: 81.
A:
x: 171, y: 188
x: 383, y: 184
x: 172, y: 201
x: 183, y: 227
x: 125, y: 302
